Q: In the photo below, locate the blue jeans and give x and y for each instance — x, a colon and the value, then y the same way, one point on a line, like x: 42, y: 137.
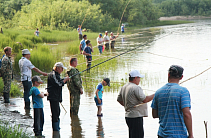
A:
x: 100, y: 49
x: 27, y: 86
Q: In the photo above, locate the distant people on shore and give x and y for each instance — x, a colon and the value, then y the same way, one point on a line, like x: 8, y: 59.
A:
x: 26, y: 66
x: 113, y: 39
x: 123, y: 28
x: 106, y: 40
x: 100, y: 43
x: 88, y: 50
x: 82, y: 44
x: 79, y: 29
x: 6, y: 72
x: 37, y: 32
x: 1, y: 31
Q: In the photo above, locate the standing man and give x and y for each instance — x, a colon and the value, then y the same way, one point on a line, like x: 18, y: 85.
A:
x: 171, y: 105
x: 113, y: 38
x: 106, y: 40
x: 100, y: 43
x: 123, y: 28
x: 54, y: 87
x: 82, y: 43
x: 129, y: 96
x: 75, y: 86
x: 6, y: 70
x: 26, y: 66
x: 88, y: 52
x: 79, y: 32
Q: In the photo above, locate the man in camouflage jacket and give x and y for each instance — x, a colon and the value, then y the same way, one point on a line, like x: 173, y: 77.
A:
x: 75, y: 87
x: 6, y: 71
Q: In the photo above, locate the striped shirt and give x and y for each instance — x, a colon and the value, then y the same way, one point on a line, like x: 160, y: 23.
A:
x: 131, y: 95
x: 169, y: 102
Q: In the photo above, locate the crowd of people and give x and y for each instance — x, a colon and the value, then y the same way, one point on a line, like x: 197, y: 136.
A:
x: 171, y: 103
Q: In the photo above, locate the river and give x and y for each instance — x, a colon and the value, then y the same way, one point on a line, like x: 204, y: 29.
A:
x: 188, y: 45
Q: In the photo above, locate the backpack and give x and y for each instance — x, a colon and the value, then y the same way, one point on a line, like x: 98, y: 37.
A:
x: 0, y: 66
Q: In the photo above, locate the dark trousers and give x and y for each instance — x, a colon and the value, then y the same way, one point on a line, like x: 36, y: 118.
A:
x: 80, y: 36
x: 160, y: 137
x: 38, y: 121
x: 55, y: 111
x: 107, y: 46
x: 27, y: 86
x: 135, y: 125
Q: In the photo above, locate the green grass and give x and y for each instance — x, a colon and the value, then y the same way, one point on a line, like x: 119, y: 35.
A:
x: 7, y: 131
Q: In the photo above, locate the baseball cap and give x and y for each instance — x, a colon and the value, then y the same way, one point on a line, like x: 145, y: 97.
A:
x: 59, y: 64
x: 100, y: 34
x: 107, y: 80
x: 25, y: 51
x: 37, y: 78
x: 135, y: 73
x: 176, y: 71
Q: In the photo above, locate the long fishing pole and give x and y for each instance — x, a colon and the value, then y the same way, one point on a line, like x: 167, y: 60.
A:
x: 118, y: 55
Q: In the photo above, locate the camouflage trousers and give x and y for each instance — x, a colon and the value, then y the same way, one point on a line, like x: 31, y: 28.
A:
x: 7, y: 79
x: 74, y: 102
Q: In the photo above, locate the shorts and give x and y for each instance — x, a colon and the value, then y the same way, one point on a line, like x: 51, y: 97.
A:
x: 96, y: 101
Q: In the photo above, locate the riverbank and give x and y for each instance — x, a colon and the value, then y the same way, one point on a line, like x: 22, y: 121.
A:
x: 173, y: 18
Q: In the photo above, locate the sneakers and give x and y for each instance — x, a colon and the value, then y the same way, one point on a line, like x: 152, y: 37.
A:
x: 101, y: 115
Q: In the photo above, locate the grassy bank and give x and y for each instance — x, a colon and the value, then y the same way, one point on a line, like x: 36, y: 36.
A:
x: 7, y: 131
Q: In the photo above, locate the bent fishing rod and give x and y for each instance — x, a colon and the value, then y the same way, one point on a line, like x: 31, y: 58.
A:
x: 119, y: 55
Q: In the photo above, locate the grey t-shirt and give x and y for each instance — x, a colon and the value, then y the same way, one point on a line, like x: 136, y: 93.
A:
x: 131, y: 95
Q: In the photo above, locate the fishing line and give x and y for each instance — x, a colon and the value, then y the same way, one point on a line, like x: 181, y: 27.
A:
x: 119, y: 55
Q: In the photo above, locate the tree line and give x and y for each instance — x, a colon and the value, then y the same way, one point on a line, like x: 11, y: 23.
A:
x: 99, y: 15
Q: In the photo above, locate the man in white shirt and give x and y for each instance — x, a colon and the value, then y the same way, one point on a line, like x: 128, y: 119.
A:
x: 100, y: 43
x: 26, y: 66
x: 106, y: 40
x: 130, y: 96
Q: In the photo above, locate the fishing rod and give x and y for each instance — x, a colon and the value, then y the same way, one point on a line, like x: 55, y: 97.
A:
x: 119, y: 55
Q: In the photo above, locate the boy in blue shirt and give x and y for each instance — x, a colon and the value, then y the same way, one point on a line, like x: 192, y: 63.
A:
x: 37, y: 105
x: 88, y: 53
x: 99, y: 95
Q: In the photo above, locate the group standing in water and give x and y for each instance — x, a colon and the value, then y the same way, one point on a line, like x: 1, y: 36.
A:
x: 171, y: 103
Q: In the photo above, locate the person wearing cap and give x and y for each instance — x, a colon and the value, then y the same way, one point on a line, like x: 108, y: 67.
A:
x: 99, y: 95
x: 88, y: 53
x: 113, y: 38
x: 6, y: 72
x: 171, y: 105
x: 75, y: 86
x: 106, y: 40
x: 100, y: 43
x: 26, y: 66
x: 37, y: 105
x: 54, y: 87
x: 130, y: 96
x: 82, y: 44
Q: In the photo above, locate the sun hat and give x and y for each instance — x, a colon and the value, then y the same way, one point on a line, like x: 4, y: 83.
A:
x: 107, y: 80
x: 37, y: 78
x: 25, y: 51
x: 59, y: 64
x: 135, y: 73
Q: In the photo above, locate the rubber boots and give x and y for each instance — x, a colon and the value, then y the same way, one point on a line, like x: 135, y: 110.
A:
x: 27, y: 105
x: 55, y: 126
x: 6, y: 97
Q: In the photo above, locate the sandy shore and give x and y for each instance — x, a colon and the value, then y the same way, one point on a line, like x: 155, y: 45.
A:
x: 183, y: 17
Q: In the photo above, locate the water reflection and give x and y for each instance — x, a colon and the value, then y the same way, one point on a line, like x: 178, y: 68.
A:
x: 100, y: 131
x: 76, y: 127
x: 56, y: 134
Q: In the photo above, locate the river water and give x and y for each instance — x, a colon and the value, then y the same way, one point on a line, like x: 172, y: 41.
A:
x: 188, y: 45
